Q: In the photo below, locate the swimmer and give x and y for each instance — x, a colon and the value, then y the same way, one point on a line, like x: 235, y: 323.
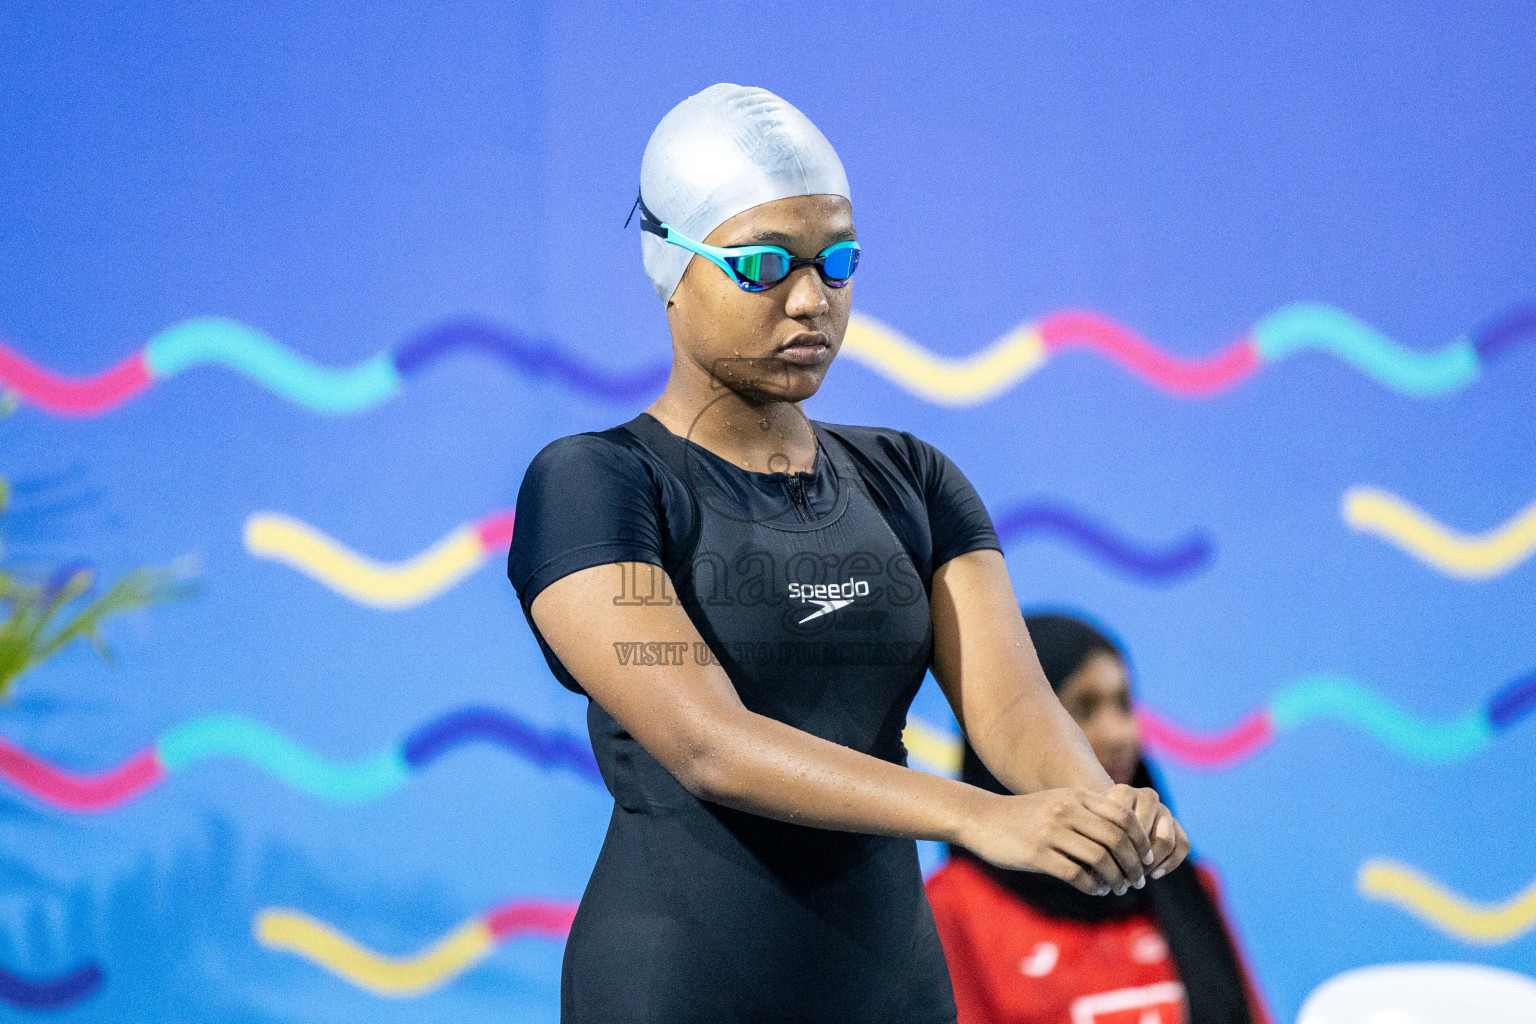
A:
x: 750, y: 599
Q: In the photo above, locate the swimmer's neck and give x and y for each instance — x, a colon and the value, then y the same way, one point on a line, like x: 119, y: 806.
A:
x: 760, y: 436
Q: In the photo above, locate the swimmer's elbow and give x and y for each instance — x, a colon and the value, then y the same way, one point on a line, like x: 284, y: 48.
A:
x: 707, y: 761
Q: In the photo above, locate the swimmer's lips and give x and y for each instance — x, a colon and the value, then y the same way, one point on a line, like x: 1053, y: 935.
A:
x: 804, y: 349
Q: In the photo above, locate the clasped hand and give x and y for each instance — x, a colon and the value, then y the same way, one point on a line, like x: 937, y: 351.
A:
x: 1097, y: 841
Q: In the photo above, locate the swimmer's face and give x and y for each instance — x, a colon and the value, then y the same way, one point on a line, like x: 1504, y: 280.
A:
x: 779, y: 342
x: 1098, y: 697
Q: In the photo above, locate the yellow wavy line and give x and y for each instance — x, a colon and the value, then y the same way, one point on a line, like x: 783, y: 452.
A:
x: 1471, y: 556
x: 380, y: 584
x: 940, y: 753
x: 1426, y: 899
x: 396, y: 977
x: 967, y: 381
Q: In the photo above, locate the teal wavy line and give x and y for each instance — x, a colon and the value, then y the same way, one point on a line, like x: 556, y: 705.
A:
x: 233, y: 736
x: 1305, y: 325
x: 212, y: 339
x: 1338, y: 698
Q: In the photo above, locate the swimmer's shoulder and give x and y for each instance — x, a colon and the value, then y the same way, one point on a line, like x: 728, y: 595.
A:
x: 615, y: 450
x: 888, y: 446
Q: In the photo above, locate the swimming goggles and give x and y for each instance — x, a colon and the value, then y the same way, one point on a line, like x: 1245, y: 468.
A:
x: 757, y: 268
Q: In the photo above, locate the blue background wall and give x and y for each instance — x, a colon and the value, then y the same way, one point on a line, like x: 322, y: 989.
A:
x: 344, y: 181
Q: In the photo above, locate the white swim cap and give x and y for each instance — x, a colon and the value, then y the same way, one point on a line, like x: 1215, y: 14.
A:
x: 722, y: 151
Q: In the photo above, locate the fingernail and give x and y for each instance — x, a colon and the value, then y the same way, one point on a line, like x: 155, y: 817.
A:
x: 1141, y: 881
x: 1159, y: 873
x: 1146, y: 858
x: 1120, y: 891
x: 1102, y: 890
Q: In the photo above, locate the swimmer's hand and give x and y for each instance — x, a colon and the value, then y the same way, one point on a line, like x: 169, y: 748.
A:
x: 1169, y: 843
x: 1096, y: 841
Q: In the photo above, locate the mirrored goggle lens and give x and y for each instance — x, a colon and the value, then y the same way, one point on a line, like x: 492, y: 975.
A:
x: 761, y: 267
x: 839, y: 264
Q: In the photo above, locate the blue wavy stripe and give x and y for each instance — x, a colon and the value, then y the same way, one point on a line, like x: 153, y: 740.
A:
x: 550, y: 750
x: 418, y: 353
x: 1513, y: 703
x: 1140, y: 562
x: 50, y: 995
x: 1506, y: 332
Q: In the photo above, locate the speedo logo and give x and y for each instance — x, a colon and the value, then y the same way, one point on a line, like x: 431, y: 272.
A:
x: 830, y: 596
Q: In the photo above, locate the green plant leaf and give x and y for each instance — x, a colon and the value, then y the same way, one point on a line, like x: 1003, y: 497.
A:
x: 29, y: 636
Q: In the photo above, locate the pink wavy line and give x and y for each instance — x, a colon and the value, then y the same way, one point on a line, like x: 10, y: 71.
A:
x: 495, y: 530
x: 81, y: 793
x: 1078, y: 328
x: 552, y: 920
x: 84, y: 396
x: 1206, y: 751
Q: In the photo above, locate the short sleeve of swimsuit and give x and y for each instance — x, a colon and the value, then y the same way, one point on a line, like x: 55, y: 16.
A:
x: 584, y: 501
x: 957, y: 519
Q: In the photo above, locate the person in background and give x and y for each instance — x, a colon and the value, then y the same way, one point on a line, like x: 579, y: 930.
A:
x: 1026, y: 948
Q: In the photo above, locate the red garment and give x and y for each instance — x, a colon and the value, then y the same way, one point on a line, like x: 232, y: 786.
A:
x: 1012, y: 964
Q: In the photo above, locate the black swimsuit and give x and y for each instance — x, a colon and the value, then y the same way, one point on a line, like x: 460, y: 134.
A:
x: 818, y: 613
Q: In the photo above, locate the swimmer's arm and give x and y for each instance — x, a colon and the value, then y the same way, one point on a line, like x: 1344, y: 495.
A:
x: 986, y: 665
x: 985, y: 662
x: 689, y: 717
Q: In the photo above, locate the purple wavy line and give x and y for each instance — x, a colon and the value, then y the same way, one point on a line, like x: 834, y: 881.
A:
x: 50, y: 995
x: 1517, y: 326
x: 1513, y: 702
x: 436, y: 738
x: 1148, y: 565
x: 418, y: 353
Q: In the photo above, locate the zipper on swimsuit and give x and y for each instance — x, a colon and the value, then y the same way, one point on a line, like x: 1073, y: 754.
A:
x: 797, y: 495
